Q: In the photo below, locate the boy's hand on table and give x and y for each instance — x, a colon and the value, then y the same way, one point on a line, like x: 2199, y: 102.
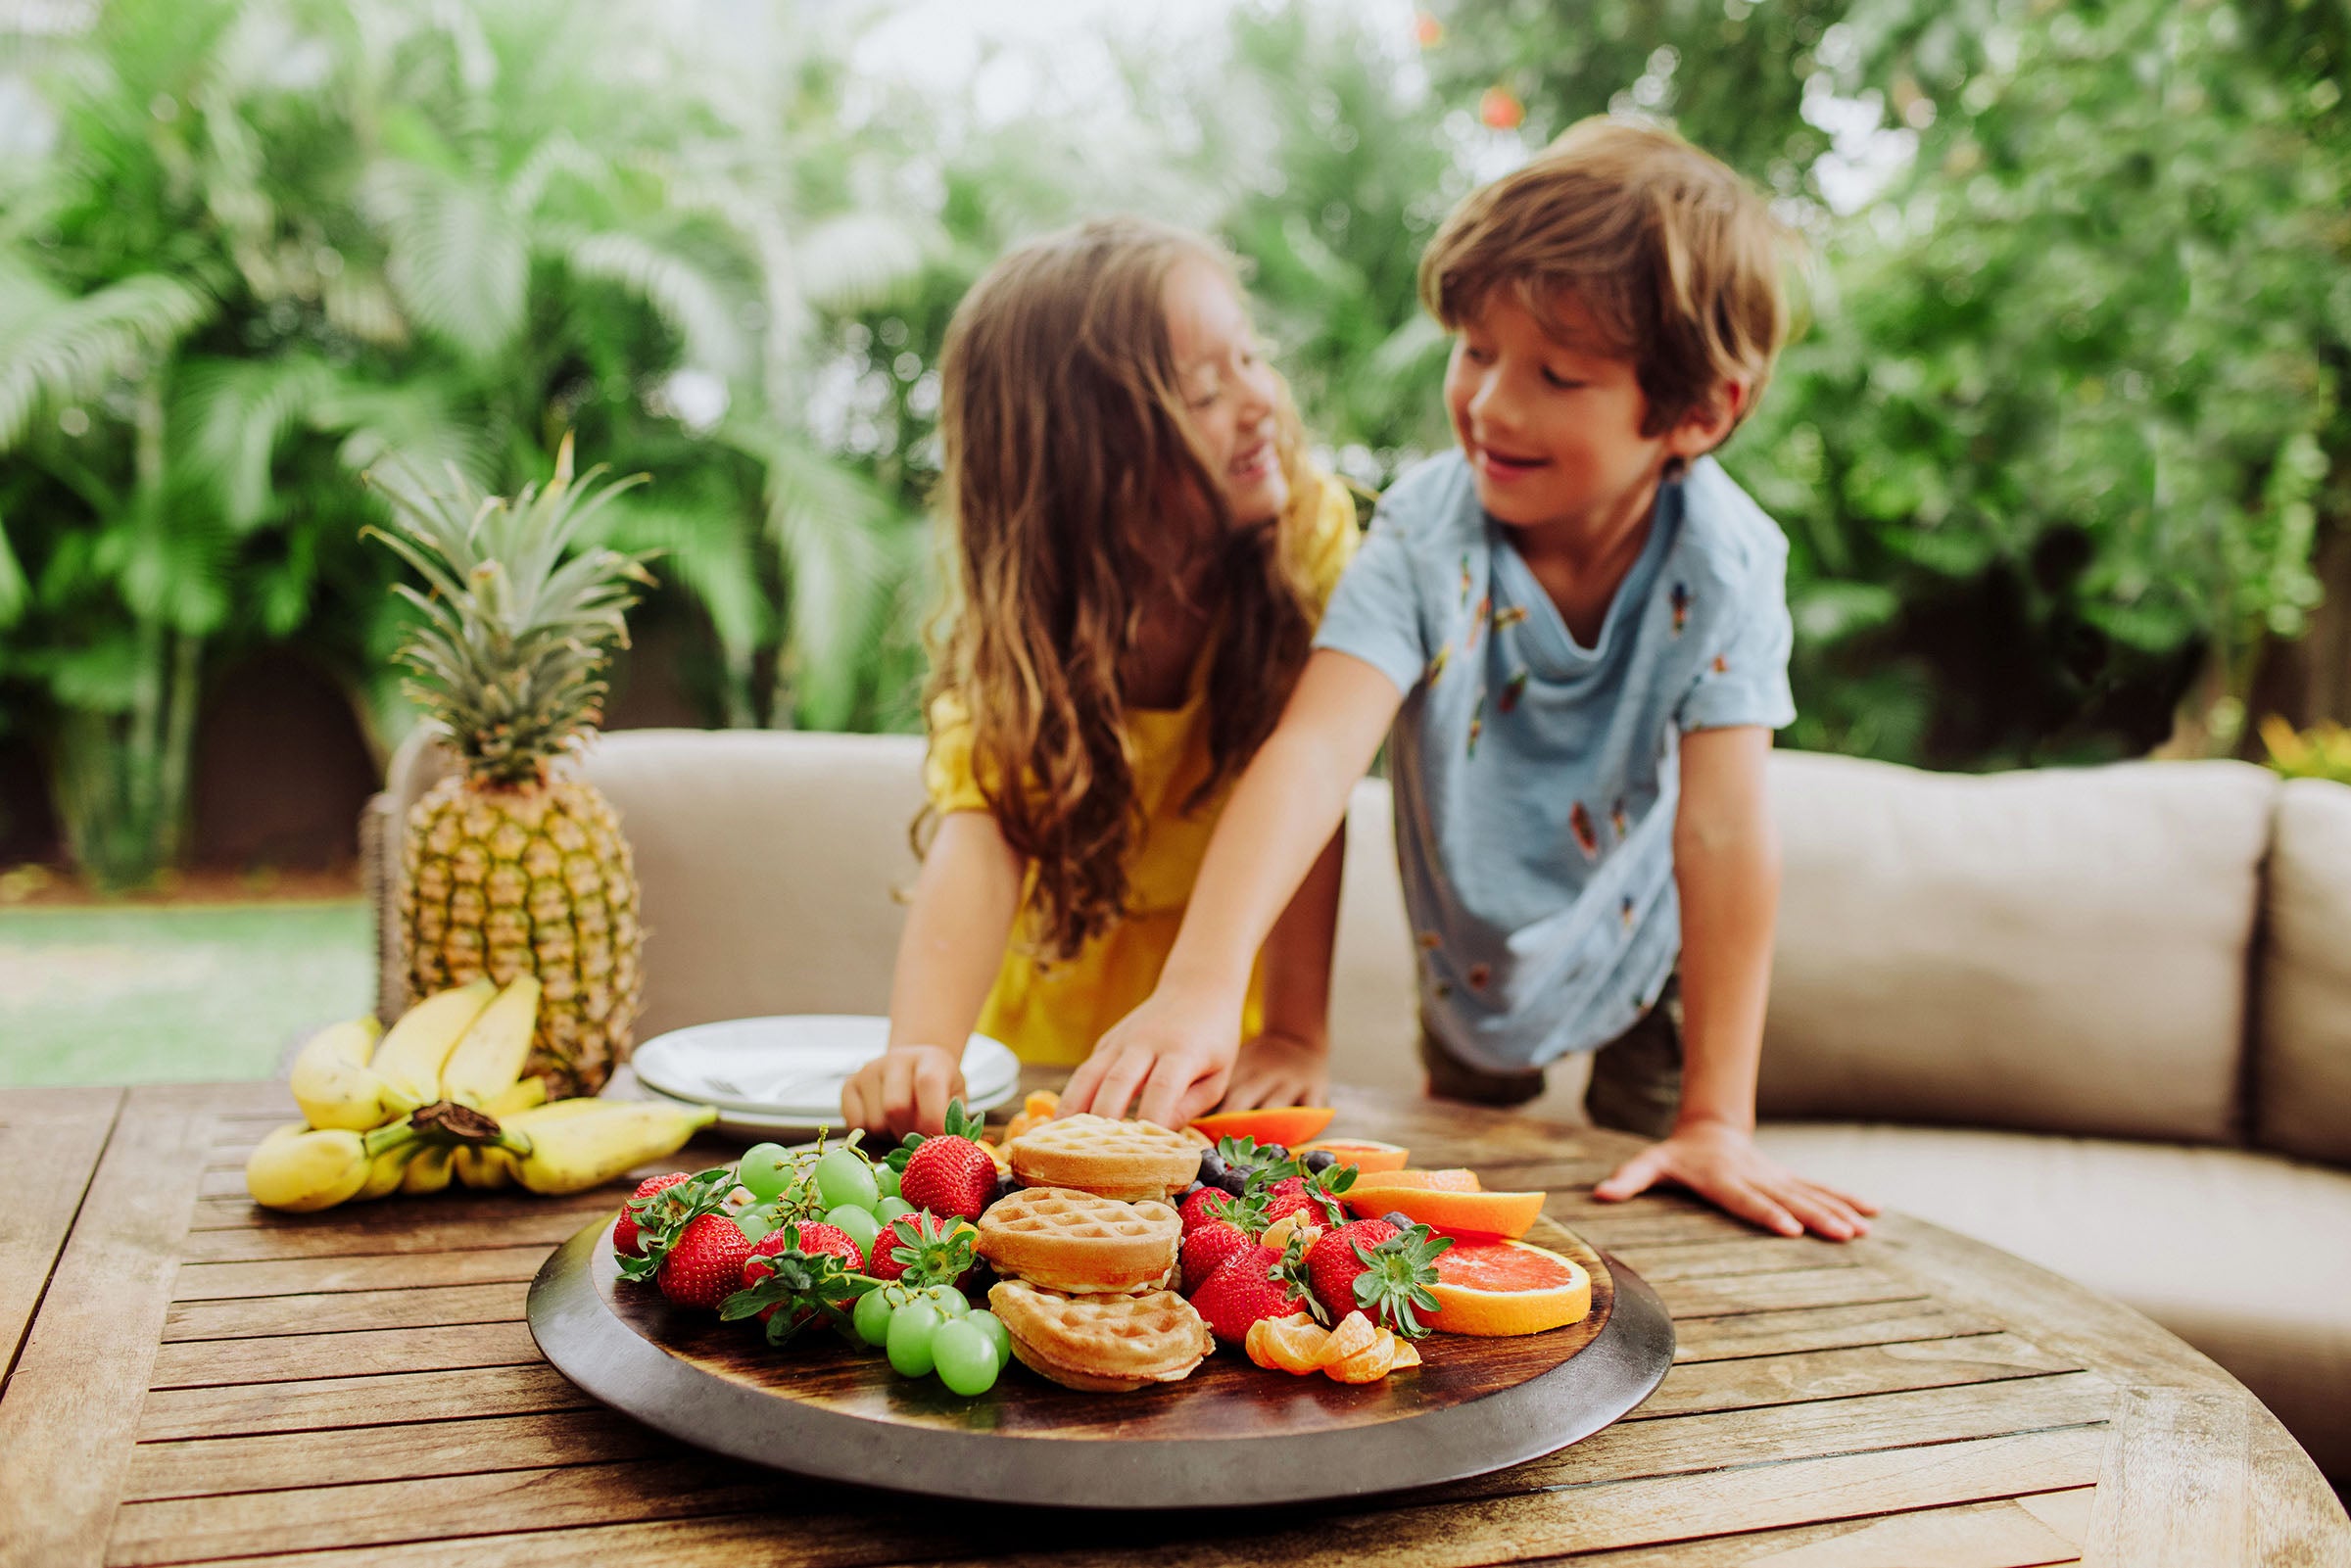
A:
x: 1276, y: 1069
x: 907, y: 1089
x: 1721, y: 1164
x: 1170, y: 1058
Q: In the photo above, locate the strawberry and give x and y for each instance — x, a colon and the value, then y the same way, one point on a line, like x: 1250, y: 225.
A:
x: 1373, y: 1267
x: 921, y: 1250
x: 1250, y: 1285
x: 1207, y: 1248
x: 950, y: 1174
x: 1287, y: 1197
x: 705, y: 1263
x: 1209, y: 1203
x: 624, y: 1229
x: 805, y: 1271
x: 808, y: 1238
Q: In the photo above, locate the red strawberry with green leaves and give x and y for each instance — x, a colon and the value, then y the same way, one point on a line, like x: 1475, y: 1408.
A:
x: 950, y: 1174
x: 1207, y: 1248
x: 797, y: 1275
x: 1250, y: 1285
x: 1373, y: 1266
x: 1209, y: 1203
x: 624, y: 1229
x: 705, y: 1264
x: 660, y: 1219
x: 922, y: 1249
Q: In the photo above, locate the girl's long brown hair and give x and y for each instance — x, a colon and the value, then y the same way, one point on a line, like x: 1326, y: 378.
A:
x: 1074, y: 486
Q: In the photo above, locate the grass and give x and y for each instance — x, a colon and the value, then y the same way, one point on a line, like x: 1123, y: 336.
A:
x: 179, y: 992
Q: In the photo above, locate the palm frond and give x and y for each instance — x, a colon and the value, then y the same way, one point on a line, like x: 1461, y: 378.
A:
x: 58, y: 349
x: 694, y: 304
x: 858, y: 261
x: 235, y: 413
x: 459, y: 260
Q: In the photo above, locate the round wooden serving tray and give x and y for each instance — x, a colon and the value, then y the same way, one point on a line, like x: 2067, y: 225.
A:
x: 1230, y: 1434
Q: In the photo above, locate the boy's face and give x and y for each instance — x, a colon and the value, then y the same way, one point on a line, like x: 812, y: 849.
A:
x: 1552, y: 424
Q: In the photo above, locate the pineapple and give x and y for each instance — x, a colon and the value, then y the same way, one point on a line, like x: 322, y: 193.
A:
x: 516, y: 864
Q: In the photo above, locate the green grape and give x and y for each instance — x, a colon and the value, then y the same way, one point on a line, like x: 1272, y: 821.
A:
x: 843, y: 1178
x: 872, y: 1318
x: 966, y: 1357
x: 911, y: 1327
x: 886, y: 1181
x: 998, y: 1335
x: 889, y: 1209
x: 861, y: 1226
x: 756, y: 1221
x: 764, y: 1170
x: 948, y: 1299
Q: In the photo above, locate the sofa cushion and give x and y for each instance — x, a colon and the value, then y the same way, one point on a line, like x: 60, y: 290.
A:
x: 2302, y: 1067
x: 2060, y: 949
x: 2239, y: 1253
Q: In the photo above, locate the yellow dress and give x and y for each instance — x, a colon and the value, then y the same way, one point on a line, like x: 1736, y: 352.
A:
x: 1052, y: 1011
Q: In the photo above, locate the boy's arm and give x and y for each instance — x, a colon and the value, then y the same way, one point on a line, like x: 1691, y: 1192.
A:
x: 1726, y: 867
x: 965, y: 901
x: 1288, y: 1063
x: 1176, y: 1050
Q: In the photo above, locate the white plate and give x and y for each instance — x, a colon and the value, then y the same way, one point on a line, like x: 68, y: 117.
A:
x: 756, y: 1126
x: 789, y: 1071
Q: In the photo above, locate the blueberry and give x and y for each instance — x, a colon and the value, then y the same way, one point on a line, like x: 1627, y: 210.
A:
x: 1212, y: 1168
x: 1320, y: 1160
x: 1273, y: 1152
x: 1400, y: 1221
x: 1185, y: 1195
x: 1235, y: 1182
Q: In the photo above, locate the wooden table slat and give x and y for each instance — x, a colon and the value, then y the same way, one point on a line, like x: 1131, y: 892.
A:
x: 1823, y: 1328
x: 381, y: 1232
x: 336, y: 1275
x: 323, y: 1404
x: 1851, y: 1286
x: 2042, y: 1531
x: 361, y: 1352
x: 50, y: 1141
x: 351, y: 1310
x: 1753, y: 1382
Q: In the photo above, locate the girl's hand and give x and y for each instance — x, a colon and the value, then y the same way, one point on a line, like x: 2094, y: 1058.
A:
x: 1721, y: 1164
x: 1277, y: 1068
x: 1171, y: 1056
x: 907, y: 1089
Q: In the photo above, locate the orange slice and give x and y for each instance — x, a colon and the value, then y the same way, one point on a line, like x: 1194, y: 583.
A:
x: 1288, y: 1126
x: 1454, y: 1180
x: 1505, y: 1288
x: 1406, y: 1355
x: 1483, y: 1214
x: 1354, y: 1334
x: 1368, y: 1364
x: 1287, y: 1344
x: 1366, y: 1154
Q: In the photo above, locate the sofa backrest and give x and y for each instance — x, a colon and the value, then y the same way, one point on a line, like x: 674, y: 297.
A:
x: 2062, y: 950
x: 2055, y: 950
x: 2302, y: 1053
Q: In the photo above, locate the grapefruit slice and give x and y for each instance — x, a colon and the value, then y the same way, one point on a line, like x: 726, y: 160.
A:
x: 1288, y: 1126
x: 1486, y: 1215
x: 1365, y: 1154
x: 1505, y: 1288
x: 1456, y: 1179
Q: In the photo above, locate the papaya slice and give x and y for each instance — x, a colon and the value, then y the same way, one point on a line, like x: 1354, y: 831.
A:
x: 1288, y: 1126
x: 1455, y: 1180
x: 1505, y: 1214
x: 1367, y: 1154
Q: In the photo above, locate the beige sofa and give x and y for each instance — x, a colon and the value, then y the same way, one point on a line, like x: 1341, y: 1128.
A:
x: 2101, y: 1019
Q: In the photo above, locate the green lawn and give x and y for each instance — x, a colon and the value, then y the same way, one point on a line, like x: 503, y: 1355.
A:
x: 128, y: 995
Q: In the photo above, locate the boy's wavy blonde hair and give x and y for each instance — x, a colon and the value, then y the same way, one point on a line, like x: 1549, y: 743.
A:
x: 1677, y: 259
x: 1073, y: 483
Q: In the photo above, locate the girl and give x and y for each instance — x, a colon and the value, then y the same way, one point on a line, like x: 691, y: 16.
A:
x: 1140, y: 554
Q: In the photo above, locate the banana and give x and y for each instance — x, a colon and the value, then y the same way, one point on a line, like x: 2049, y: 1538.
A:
x: 413, y: 1052
x: 490, y: 1058
x: 333, y: 1083
x: 386, y: 1171
x: 430, y: 1170
x: 484, y: 1168
x: 304, y: 1169
x: 560, y: 1151
x: 525, y: 1093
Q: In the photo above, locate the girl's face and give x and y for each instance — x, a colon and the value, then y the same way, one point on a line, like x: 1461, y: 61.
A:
x: 1229, y: 389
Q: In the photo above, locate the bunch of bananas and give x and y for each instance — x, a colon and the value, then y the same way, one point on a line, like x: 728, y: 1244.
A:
x: 442, y: 1098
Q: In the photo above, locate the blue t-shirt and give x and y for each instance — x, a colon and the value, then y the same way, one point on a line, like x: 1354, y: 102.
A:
x: 1536, y: 778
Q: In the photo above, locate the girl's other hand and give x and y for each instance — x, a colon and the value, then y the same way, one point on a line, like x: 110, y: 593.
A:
x: 1276, y: 1069
x: 907, y: 1089
x: 1170, y: 1059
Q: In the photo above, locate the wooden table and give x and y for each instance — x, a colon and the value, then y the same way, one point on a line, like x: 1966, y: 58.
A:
x: 194, y: 1379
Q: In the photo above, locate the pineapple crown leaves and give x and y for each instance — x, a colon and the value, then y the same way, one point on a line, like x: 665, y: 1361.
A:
x: 1397, y: 1275
x: 960, y: 1124
x: 807, y: 1286
x: 663, y: 1217
x: 940, y: 1251
x: 507, y: 657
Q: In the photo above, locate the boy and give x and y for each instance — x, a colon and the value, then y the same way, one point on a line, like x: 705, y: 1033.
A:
x: 1578, y: 625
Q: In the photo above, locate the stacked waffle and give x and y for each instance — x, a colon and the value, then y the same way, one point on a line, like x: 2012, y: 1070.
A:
x: 1087, y: 1249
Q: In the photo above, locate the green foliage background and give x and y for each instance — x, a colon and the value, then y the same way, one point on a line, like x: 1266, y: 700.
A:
x: 2062, y: 447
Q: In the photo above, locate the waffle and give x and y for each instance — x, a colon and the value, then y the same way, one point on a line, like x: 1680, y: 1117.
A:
x: 1102, y: 1343
x: 1075, y: 1243
x: 1127, y: 1159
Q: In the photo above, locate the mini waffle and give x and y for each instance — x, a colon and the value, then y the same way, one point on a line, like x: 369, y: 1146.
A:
x: 1128, y: 1159
x: 1075, y: 1243
x: 1102, y: 1343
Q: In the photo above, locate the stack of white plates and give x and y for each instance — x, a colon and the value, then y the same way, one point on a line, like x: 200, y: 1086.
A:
x: 785, y: 1074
